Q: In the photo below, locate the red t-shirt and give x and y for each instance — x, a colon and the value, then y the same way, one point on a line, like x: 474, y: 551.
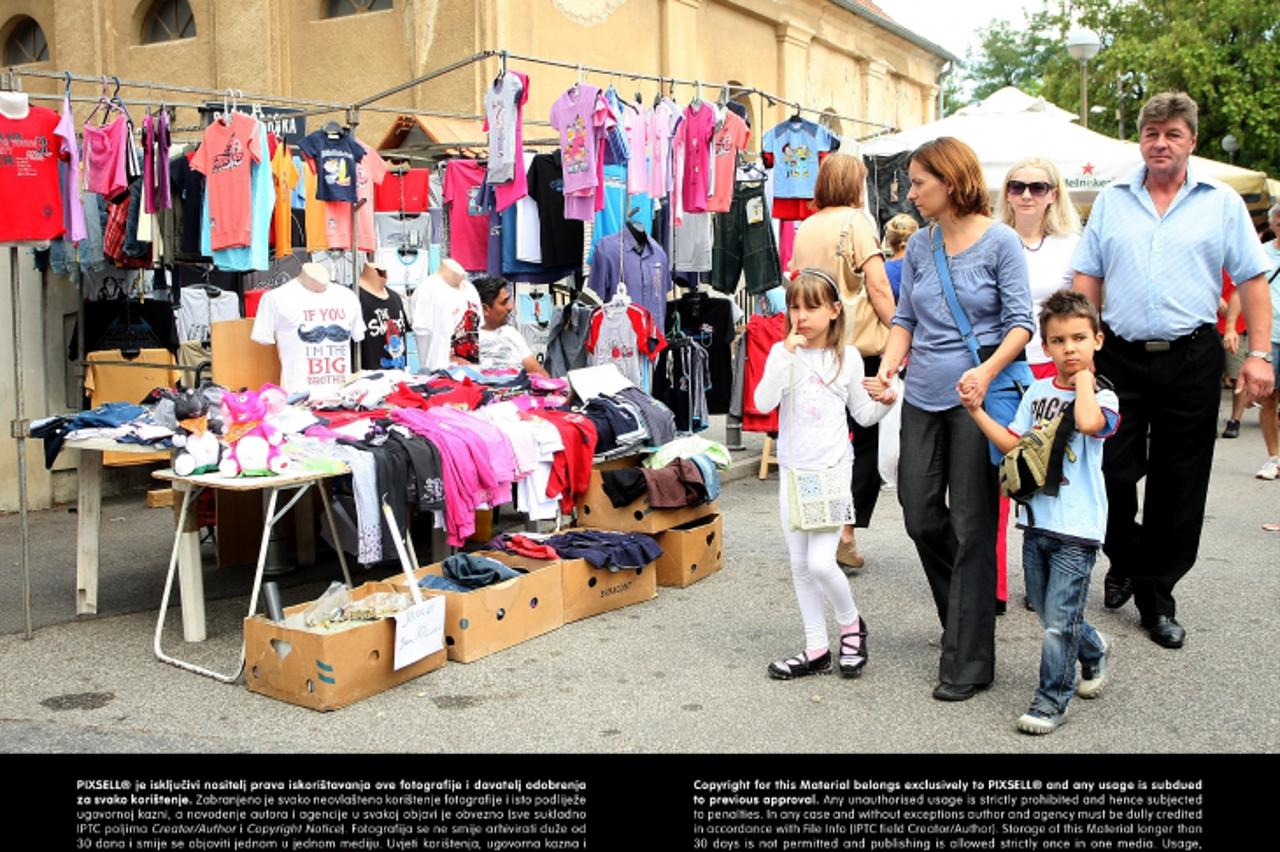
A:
x: 468, y: 225
x: 405, y: 193
x: 1229, y: 287
x: 224, y: 158
x: 29, y: 155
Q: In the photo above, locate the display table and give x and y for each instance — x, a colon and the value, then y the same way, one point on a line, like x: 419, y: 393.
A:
x: 186, y: 548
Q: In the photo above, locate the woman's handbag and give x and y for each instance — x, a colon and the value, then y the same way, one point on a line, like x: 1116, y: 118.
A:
x: 865, y: 331
x: 1006, y: 389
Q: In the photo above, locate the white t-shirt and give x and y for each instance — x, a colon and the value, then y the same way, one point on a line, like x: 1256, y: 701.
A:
x: 503, y: 348
x: 1050, y: 270
x: 528, y: 224
x: 198, y: 311
x: 447, y: 321
x: 313, y: 333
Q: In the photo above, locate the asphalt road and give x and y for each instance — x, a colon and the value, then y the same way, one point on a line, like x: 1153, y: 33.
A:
x: 682, y: 673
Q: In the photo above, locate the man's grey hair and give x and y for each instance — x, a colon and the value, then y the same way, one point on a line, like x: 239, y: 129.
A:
x: 1170, y: 105
x: 1274, y: 213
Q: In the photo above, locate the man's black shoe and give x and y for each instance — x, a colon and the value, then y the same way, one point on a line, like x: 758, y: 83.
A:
x: 1232, y: 429
x: 957, y: 691
x: 1116, y: 591
x: 1165, y: 631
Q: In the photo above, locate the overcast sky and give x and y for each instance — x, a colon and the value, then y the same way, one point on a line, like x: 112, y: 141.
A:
x: 954, y: 24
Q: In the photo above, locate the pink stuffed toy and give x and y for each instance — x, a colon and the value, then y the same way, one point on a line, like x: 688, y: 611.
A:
x: 253, y: 444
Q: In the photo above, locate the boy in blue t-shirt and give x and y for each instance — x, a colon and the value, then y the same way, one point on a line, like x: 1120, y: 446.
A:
x: 1059, y: 548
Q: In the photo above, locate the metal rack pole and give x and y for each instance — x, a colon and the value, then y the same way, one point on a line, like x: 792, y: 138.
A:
x: 18, y: 429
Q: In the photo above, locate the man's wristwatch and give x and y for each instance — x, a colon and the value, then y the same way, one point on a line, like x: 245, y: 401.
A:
x: 1264, y: 354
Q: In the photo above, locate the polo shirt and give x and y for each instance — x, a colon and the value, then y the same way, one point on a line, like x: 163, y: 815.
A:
x: 1162, y: 274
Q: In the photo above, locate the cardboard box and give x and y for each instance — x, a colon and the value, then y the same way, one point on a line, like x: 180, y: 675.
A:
x: 596, y: 511
x: 325, y: 671
x: 691, y: 552
x: 496, y: 617
x: 590, y: 591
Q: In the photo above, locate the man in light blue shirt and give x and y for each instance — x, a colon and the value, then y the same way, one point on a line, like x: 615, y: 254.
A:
x: 1152, y: 257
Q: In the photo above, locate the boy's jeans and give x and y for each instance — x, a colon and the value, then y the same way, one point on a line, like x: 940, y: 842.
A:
x: 1057, y: 579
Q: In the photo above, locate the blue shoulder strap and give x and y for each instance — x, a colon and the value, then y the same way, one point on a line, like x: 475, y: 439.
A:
x: 949, y: 290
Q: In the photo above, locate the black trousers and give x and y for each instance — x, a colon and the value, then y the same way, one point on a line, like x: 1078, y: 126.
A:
x: 947, y: 487
x: 1168, y: 425
x: 866, y: 459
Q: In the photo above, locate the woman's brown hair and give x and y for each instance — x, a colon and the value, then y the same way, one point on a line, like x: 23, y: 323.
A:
x: 840, y: 181
x: 954, y: 163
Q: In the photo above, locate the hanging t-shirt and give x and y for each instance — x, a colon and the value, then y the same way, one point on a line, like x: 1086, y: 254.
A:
x: 188, y: 187
x: 730, y: 138
x: 468, y: 220
x: 561, y: 238
x: 795, y: 145
x: 199, y: 309
x: 105, y: 149
x: 30, y: 150
x: 312, y: 333
x: 698, y: 127
x: 403, y: 193
x: 577, y: 114
x: 709, y: 321
x: 257, y: 253
x: 73, y: 206
x: 503, y: 348
x: 637, y: 122
x: 402, y: 248
x: 386, y: 332
x: 528, y: 225
x: 502, y: 117
x: 662, y: 125
x: 335, y: 157
x: 370, y: 171
x: 285, y: 176
x: 225, y: 158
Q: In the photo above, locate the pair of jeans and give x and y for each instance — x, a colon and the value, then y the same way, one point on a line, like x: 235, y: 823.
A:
x: 744, y: 243
x: 1057, y: 578
x: 947, y: 487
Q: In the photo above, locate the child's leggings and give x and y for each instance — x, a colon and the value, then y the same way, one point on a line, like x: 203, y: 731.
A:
x: 816, y: 576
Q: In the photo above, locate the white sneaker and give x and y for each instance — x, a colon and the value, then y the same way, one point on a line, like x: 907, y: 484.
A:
x: 1270, y: 469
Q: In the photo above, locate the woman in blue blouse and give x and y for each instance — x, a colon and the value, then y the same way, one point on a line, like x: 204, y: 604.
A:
x: 946, y: 483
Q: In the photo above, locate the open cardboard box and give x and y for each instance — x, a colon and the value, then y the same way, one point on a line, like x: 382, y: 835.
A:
x: 691, y: 552
x: 596, y: 510
x: 325, y: 671
x: 496, y: 617
x: 590, y: 591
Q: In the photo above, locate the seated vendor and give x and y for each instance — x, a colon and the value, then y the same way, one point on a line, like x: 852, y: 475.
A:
x: 501, y: 344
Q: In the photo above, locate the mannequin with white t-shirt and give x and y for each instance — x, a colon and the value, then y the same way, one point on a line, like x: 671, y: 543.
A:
x: 446, y: 318
x: 312, y: 324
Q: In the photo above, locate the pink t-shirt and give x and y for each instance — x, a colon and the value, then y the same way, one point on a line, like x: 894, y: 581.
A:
x: 370, y: 171
x: 662, y: 122
x: 577, y: 114
x: 698, y: 127
x: 729, y: 139
x: 224, y: 158
x: 637, y: 120
x: 468, y: 223
x: 104, y: 157
x: 72, y: 205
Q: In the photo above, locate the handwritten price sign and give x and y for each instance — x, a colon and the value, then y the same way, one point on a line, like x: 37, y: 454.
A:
x: 419, y: 631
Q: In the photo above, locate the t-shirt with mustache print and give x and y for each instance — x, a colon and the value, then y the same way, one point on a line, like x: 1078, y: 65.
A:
x: 313, y: 333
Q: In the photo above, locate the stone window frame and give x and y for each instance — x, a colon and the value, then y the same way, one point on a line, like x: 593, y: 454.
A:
x: 347, y: 8
x: 25, y: 43
x: 168, y: 20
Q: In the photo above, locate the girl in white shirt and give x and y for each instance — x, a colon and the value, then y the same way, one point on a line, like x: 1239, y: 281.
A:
x: 815, y: 378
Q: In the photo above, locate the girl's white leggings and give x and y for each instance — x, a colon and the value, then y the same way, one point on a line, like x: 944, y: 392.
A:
x: 816, y: 575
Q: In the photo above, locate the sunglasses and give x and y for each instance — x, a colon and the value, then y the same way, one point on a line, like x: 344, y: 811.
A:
x: 1038, y: 188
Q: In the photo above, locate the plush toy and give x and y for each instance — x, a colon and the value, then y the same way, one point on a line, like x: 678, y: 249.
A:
x: 252, y: 443
x: 200, y: 447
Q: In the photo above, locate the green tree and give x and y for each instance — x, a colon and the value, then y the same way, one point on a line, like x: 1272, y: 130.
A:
x: 1224, y: 53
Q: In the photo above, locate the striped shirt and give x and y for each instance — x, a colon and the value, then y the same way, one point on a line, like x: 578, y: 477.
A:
x: 1163, y: 274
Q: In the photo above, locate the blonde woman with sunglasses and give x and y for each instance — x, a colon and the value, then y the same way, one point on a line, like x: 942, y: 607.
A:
x: 1036, y: 203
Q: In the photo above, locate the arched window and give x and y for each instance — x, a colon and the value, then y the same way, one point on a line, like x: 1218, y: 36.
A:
x: 168, y: 20
x: 342, y: 8
x: 26, y: 44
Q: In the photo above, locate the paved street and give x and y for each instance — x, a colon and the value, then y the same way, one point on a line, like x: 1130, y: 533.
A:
x: 682, y: 673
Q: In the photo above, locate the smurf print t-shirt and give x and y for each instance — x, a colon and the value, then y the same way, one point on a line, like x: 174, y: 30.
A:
x: 335, y: 157
x: 312, y: 333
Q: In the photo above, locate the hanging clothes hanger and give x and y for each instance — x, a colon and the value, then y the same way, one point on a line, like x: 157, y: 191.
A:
x: 697, y: 94
x: 104, y: 103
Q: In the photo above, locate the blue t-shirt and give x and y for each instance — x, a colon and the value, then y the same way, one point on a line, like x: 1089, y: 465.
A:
x: 795, y: 145
x: 609, y: 220
x: 335, y: 159
x: 1079, y: 512
x: 893, y: 269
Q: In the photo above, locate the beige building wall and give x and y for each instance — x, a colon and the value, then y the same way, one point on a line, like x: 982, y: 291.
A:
x: 812, y: 51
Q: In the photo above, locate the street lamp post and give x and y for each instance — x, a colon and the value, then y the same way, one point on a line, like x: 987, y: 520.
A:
x: 1083, y: 45
x: 1230, y: 144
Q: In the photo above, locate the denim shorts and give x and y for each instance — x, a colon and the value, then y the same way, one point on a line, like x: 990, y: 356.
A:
x: 744, y: 243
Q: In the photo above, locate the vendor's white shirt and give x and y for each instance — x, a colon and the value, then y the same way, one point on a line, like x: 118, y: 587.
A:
x: 503, y: 348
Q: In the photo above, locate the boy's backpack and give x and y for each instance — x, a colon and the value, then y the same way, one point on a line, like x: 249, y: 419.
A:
x: 1034, y: 465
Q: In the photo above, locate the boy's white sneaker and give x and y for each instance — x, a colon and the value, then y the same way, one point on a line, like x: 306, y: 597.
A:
x: 1093, y: 676
x: 1038, y: 722
x: 1270, y: 469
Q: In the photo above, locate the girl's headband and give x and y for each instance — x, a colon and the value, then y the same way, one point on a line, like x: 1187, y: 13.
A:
x: 820, y: 273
